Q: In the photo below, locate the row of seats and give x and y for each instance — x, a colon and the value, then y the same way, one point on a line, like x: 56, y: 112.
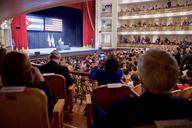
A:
x: 34, y: 102
x: 27, y: 108
x: 185, y: 93
x: 115, y: 93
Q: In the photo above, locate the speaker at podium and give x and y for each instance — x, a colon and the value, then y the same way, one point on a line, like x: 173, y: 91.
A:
x: 61, y: 46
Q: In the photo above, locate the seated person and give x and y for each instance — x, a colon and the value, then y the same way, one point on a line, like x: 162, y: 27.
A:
x: 3, y: 52
x: 54, y: 66
x: 134, y: 80
x: 159, y: 73
x: 17, y: 71
x: 110, y: 74
x: 189, y: 77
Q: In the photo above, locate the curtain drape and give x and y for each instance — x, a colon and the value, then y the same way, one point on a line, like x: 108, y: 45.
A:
x: 88, y: 21
x: 19, y: 32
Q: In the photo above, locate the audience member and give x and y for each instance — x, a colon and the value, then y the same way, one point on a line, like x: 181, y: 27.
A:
x: 17, y: 71
x: 54, y: 66
x: 135, y: 79
x: 159, y: 73
x: 177, y: 55
x: 2, y: 54
x: 169, y: 3
x: 110, y: 74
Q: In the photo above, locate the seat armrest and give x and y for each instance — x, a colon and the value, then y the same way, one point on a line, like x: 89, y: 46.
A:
x: 89, y: 110
x: 58, y: 114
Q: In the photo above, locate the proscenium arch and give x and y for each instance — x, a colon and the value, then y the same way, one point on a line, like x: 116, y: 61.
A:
x: 11, y: 8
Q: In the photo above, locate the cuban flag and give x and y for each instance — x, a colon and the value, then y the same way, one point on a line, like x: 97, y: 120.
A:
x: 35, y: 23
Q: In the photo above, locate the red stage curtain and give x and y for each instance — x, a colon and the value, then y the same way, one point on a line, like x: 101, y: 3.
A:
x: 76, y: 6
x: 88, y: 29
x: 19, y: 32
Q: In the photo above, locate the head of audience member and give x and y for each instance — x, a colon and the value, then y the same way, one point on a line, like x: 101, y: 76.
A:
x: 189, y: 74
x: 126, y: 71
x: 158, y: 71
x: 16, y: 70
x: 111, y: 64
x: 135, y: 79
x: 55, y: 56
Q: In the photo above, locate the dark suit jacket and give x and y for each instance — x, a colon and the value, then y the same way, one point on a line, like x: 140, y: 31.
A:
x: 53, y: 67
x: 145, y: 110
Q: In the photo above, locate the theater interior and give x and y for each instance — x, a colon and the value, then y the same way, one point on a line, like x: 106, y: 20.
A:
x: 86, y: 34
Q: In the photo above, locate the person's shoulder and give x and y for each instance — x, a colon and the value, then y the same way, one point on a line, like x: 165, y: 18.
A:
x: 63, y: 67
x: 181, y: 101
x: 119, y: 71
x: 125, y: 103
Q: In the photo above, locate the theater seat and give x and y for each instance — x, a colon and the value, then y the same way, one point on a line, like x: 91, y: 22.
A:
x: 187, y: 93
x: 138, y: 89
x: 23, y: 107
x: 176, y: 93
x: 104, y: 96
x: 57, y: 84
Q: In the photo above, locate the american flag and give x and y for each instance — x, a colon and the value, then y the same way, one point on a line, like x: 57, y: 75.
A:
x: 53, y: 24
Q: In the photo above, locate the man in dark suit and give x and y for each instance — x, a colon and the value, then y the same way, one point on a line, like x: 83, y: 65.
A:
x: 159, y: 73
x: 53, y: 66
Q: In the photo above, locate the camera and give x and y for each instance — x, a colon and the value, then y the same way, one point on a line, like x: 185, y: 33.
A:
x: 102, y: 56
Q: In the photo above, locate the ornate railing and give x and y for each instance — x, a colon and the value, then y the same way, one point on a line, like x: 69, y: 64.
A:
x: 83, y: 84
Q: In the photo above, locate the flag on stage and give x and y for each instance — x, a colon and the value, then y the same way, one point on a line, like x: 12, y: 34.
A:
x: 49, y: 40
x: 35, y: 23
x: 52, y: 41
x: 53, y: 24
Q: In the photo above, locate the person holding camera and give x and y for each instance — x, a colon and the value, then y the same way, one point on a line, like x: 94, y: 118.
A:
x: 110, y: 74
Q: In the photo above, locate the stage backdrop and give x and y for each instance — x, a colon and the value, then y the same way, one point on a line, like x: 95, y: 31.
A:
x: 71, y: 35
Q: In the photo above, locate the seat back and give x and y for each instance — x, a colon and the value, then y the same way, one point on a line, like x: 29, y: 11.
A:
x: 104, y: 96
x: 187, y: 93
x: 23, y: 108
x: 176, y: 93
x: 138, y: 89
x: 57, y: 84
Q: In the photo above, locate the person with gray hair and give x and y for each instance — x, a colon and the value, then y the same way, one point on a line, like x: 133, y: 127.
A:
x: 159, y: 73
x: 54, y: 66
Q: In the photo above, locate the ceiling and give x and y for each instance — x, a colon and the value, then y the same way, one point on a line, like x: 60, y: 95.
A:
x: 10, y: 8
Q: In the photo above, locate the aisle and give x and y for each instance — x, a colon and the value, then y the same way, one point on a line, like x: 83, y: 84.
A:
x: 77, y: 119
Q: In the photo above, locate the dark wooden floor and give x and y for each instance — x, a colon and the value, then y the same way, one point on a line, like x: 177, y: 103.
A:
x: 76, y: 119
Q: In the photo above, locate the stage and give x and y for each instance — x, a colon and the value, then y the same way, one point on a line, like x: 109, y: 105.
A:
x: 73, y: 50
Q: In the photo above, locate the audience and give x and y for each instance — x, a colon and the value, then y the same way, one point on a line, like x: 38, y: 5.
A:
x: 134, y: 80
x: 147, y: 8
x: 17, y: 71
x: 110, y: 74
x: 159, y: 73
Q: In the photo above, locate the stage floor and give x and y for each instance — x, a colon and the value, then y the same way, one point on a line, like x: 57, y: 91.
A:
x: 47, y: 51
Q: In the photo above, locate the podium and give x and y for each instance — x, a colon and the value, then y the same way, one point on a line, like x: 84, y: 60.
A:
x: 63, y: 47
